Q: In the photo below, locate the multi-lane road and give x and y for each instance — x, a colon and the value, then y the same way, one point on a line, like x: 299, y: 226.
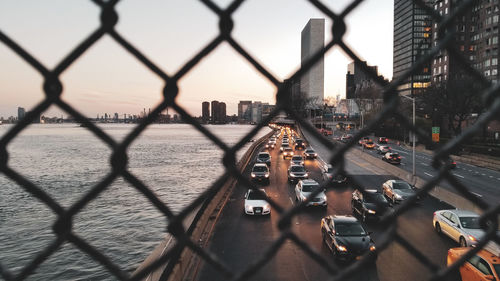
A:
x: 482, y: 182
x: 239, y: 240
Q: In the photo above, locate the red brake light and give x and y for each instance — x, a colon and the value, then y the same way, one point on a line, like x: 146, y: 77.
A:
x: 399, y: 157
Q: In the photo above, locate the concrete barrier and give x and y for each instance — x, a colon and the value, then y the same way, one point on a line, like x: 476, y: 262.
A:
x: 200, y: 223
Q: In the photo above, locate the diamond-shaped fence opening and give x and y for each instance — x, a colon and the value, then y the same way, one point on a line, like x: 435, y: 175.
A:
x: 120, y: 159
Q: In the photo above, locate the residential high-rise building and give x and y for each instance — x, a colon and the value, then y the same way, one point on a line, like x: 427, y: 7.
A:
x: 205, y: 112
x: 222, y: 113
x: 215, y: 115
x: 477, y: 35
x: 21, y: 112
x: 412, y: 40
x: 312, y: 82
x: 244, y: 111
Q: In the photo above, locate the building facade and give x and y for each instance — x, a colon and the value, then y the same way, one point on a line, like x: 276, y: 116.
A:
x: 312, y: 82
x: 412, y: 40
x: 476, y: 38
x: 21, y: 112
x: 357, y: 80
x: 244, y: 111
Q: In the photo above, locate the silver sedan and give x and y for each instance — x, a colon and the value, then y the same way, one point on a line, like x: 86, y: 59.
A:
x: 460, y: 225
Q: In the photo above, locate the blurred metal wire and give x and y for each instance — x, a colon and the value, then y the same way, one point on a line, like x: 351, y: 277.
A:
x: 53, y: 90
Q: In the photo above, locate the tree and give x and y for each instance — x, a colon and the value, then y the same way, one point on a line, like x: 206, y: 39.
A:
x: 453, y: 102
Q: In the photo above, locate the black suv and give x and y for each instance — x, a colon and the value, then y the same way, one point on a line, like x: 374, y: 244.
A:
x: 369, y: 206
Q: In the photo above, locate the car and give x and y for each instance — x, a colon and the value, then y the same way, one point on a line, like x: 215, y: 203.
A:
x: 369, y: 145
x: 383, y: 149
x: 285, y: 141
x: 398, y: 190
x: 287, y: 152
x: 299, y: 144
x: 303, y: 190
x: 460, y: 225
x: 383, y: 140
x: 372, y: 205
x: 256, y: 203
x: 283, y: 146
x: 297, y: 159
x: 329, y: 175
x: 260, y: 172
x: 363, y: 140
x: 345, y: 237
x: 309, y: 153
x: 297, y: 172
x: 392, y: 157
x: 264, y: 157
x: 346, y: 138
x: 484, y: 265
x: 270, y: 145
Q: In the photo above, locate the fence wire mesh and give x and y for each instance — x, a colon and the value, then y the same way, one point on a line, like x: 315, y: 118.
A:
x: 53, y: 89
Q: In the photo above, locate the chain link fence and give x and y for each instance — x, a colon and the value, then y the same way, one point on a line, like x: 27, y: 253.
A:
x: 53, y: 90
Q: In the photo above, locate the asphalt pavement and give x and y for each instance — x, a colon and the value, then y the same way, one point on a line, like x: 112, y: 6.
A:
x: 239, y: 240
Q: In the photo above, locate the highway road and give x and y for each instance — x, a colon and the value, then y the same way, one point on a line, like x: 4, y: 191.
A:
x: 239, y: 240
x: 482, y: 182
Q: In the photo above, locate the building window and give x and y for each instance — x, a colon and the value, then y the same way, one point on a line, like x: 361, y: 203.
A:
x: 494, y: 61
x: 487, y: 73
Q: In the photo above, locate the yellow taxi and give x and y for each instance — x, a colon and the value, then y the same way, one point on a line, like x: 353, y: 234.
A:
x: 483, y: 266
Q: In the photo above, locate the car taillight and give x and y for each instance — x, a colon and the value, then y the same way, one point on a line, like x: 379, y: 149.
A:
x: 399, y: 157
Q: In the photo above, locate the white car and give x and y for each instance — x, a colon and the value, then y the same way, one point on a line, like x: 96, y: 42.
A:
x: 460, y: 225
x: 304, y: 188
x: 297, y: 160
x: 256, y: 204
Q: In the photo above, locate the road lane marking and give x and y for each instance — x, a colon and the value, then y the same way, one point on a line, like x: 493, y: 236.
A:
x: 483, y: 174
x: 428, y: 174
x: 458, y: 175
x: 477, y: 194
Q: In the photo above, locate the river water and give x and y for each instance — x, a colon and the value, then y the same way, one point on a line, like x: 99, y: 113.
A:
x: 175, y: 161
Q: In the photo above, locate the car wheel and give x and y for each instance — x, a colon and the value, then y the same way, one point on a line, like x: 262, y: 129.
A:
x: 438, y: 228
x: 463, y: 243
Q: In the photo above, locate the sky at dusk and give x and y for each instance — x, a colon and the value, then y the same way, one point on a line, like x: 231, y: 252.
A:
x: 107, y: 79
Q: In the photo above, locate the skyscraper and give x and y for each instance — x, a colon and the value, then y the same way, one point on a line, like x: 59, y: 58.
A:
x: 312, y: 82
x: 205, y: 112
x: 21, y: 112
x: 221, y: 111
x: 412, y: 40
x: 215, y: 110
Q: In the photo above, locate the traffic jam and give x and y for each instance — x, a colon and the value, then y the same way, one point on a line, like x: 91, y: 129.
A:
x: 346, y: 236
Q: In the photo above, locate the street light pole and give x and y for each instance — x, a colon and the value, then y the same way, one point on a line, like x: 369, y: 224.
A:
x: 413, y: 137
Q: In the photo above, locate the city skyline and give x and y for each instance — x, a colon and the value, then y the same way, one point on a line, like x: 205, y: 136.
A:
x: 100, y: 82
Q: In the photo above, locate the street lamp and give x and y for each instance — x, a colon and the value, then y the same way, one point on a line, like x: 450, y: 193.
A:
x: 413, y: 135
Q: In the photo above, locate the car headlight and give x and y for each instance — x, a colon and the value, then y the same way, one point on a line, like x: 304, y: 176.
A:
x: 266, y: 175
x: 267, y: 207
x: 303, y: 198
x: 324, y: 197
x: 472, y: 238
x: 248, y: 208
x: 315, y: 154
x: 372, y: 248
x: 371, y: 212
x: 306, y: 175
x: 398, y: 196
x: 341, y: 248
x: 253, y: 175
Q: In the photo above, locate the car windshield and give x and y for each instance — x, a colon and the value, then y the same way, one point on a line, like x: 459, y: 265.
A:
x: 375, y: 198
x: 401, y: 185
x: 260, y: 169
x: 349, y: 229
x: 369, y: 142
x: 298, y: 169
x: 470, y: 222
x: 394, y: 155
x: 297, y: 158
x: 309, y: 187
x: 309, y: 151
x: 263, y: 156
x: 256, y: 196
x: 288, y: 149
